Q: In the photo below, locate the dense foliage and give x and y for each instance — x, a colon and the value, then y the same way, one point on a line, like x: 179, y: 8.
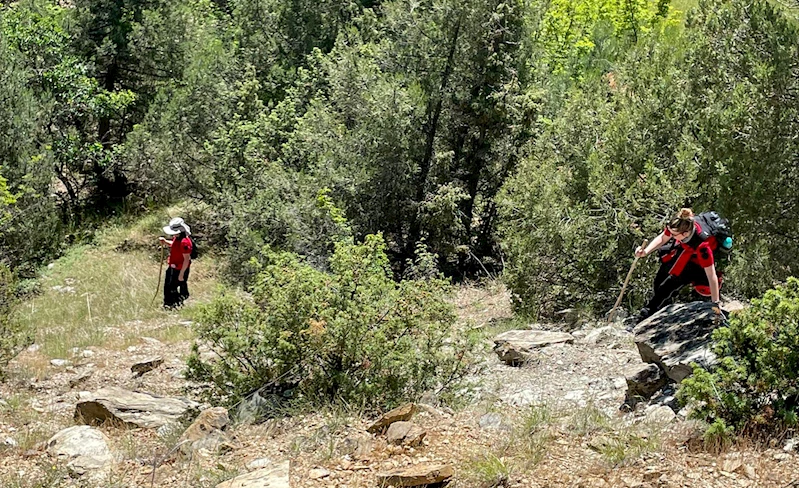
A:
x: 544, y: 139
x: 352, y: 334
x: 754, y: 387
x: 702, y: 116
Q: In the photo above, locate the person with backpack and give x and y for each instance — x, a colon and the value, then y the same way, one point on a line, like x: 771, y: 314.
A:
x: 689, y: 247
x: 181, y: 252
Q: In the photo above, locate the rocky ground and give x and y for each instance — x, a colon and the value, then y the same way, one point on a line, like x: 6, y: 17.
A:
x: 552, y: 421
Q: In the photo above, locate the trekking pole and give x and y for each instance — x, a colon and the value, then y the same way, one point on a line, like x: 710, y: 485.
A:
x: 624, y: 286
x: 160, y: 269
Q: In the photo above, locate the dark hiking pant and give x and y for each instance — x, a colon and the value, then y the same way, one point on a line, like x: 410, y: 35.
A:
x: 667, y: 286
x: 175, y: 292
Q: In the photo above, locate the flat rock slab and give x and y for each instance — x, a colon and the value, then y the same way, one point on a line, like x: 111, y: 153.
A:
x: 132, y: 409
x: 271, y: 477
x: 677, y: 336
x: 399, y: 414
x: 514, y: 347
x: 83, y: 447
x: 418, y: 475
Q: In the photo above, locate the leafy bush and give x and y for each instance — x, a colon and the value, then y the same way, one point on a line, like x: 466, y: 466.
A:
x: 755, y: 386
x: 352, y: 334
x: 13, y: 337
x: 593, y: 186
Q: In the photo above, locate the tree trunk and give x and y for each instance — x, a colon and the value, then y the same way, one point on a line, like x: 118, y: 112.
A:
x: 430, y: 129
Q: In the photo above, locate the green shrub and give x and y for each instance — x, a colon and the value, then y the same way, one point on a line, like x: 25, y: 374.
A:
x: 351, y: 334
x: 755, y: 386
x: 13, y: 337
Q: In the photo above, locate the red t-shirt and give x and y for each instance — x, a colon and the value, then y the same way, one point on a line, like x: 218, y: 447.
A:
x: 695, y: 250
x: 177, y: 250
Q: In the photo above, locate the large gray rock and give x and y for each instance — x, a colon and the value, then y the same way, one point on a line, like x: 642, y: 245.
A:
x: 677, y: 336
x: 515, y: 347
x: 271, y: 477
x: 84, y: 448
x: 133, y: 409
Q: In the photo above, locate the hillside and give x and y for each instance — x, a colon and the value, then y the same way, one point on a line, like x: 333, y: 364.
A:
x: 552, y: 422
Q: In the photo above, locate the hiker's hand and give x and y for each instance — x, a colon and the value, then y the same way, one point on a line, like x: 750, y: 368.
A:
x: 639, y: 252
x: 720, y: 311
x: 180, y: 277
x: 162, y: 240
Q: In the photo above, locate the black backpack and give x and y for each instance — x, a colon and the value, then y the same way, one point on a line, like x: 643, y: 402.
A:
x: 194, y: 251
x: 715, y: 225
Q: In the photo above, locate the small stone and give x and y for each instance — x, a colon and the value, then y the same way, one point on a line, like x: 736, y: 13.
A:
x: 791, y: 444
x: 782, y: 456
x: 318, y: 473
x: 10, y: 442
x: 731, y: 465
x: 59, y: 363
x: 147, y: 365
x: 405, y: 433
x: 493, y: 421
x: 132, y: 348
x: 80, y: 378
x: 631, y: 482
x: 660, y: 415
x: 87, y: 353
x: 402, y: 413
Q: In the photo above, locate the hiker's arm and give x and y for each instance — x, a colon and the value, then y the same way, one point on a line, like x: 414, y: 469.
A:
x: 656, y: 243
x: 713, y: 280
x: 186, y: 262
x: 164, y: 242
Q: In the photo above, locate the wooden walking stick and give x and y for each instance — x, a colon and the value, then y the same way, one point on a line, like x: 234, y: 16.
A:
x: 624, y: 286
x: 160, y: 269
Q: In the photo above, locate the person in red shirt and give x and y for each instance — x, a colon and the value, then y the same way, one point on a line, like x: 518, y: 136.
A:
x: 688, y: 259
x: 176, y: 289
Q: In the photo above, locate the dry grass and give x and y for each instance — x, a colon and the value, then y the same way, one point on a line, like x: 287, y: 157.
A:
x: 94, y: 289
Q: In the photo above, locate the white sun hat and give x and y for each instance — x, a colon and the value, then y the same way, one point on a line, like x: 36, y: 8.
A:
x: 176, y: 226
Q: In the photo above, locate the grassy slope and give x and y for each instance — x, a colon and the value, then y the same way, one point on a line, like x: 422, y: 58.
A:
x: 91, y: 295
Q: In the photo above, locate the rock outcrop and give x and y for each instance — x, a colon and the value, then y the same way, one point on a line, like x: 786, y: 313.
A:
x: 677, y: 336
x: 133, y: 409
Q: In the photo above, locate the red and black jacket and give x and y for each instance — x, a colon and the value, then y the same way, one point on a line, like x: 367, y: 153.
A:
x: 699, y: 249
